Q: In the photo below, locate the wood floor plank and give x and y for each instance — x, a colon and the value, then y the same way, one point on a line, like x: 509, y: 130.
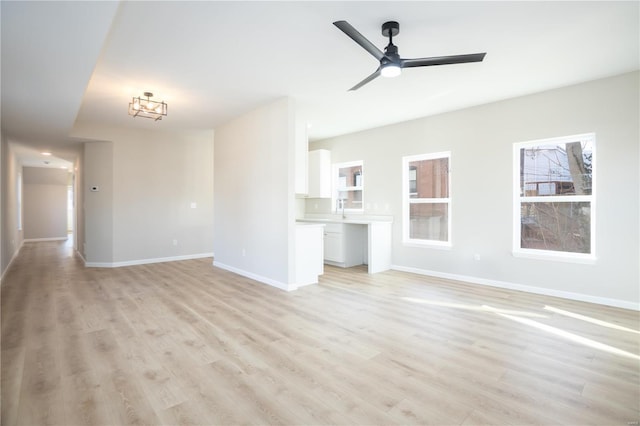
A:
x: 11, y: 382
x: 414, y: 411
x: 85, y: 401
x: 127, y: 401
x: 42, y: 409
x: 187, y: 343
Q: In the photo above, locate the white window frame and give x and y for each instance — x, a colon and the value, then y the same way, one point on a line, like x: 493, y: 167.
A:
x: 335, y: 183
x: 518, y: 199
x: 407, y: 201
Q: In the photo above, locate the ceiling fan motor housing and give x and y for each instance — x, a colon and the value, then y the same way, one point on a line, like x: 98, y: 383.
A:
x: 391, y: 55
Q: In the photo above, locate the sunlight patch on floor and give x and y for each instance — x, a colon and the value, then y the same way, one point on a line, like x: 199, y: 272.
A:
x: 472, y: 307
x: 591, y: 320
x: 571, y: 337
x: 518, y: 317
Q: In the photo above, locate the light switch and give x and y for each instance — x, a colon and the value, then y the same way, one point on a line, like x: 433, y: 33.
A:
x: 194, y: 205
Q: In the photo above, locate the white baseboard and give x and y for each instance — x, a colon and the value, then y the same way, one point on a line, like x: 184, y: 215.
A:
x: 521, y: 287
x: 37, y: 240
x: 144, y: 261
x: 255, y: 277
x: 84, y: 261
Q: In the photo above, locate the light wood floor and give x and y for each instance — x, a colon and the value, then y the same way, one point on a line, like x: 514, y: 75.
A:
x: 186, y: 343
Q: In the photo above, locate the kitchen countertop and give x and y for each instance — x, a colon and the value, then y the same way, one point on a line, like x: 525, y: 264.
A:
x: 354, y: 219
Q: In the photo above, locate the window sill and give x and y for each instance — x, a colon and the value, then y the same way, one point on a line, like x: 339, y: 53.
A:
x: 429, y: 245
x: 586, y: 259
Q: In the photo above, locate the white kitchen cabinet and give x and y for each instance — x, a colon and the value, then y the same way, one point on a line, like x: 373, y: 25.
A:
x: 334, y: 247
x: 344, y: 244
x: 309, y: 253
x: 364, y: 240
x: 319, y: 165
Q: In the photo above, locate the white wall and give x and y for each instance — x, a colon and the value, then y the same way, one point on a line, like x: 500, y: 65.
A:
x: 148, y: 180
x: 254, y: 193
x: 97, y: 246
x: 44, y: 203
x: 157, y: 177
x: 481, y: 141
x: 11, y: 236
x: 2, y: 200
x: 78, y: 193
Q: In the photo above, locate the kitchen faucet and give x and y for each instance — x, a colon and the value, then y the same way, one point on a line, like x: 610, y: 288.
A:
x: 340, y: 205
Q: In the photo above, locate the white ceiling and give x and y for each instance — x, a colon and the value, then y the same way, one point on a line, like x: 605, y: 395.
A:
x: 64, y: 62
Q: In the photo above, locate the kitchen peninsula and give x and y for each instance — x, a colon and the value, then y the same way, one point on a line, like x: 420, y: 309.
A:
x: 354, y: 240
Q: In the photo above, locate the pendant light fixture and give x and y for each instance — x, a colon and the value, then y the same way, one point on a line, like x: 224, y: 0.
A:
x: 147, y: 107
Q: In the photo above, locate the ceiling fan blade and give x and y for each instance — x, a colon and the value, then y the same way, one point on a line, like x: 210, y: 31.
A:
x: 442, y: 60
x: 366, y: 80
x: 346, y: 28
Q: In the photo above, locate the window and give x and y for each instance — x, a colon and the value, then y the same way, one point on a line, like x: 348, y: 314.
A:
x: 427, y: 199
x: 554, y: 197
x: 348, y: 184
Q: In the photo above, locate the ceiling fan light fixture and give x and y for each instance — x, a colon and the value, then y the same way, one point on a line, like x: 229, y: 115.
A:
x: 141, y: 107
x: 391, y: 63
x: 390, y: 70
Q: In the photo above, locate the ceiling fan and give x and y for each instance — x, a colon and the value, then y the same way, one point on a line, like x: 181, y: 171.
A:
x: 391, y: 63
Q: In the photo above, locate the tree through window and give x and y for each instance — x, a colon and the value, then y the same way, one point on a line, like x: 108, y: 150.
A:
x: 555, y: 195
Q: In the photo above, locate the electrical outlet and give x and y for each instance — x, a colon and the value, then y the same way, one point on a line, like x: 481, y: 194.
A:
x: 175, y: 242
